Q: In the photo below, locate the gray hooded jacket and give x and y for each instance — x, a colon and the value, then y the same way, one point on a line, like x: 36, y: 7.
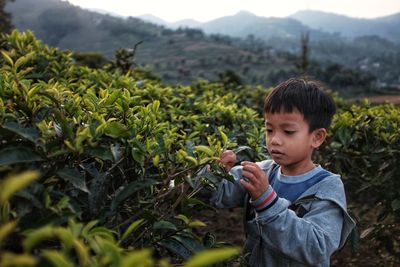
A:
x: 277, y: 236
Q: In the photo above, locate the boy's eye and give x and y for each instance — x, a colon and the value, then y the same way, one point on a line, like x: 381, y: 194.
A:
x: 269, y: 130
x: 289, y: 132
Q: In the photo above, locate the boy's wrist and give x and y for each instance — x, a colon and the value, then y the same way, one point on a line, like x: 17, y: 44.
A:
x: 267, y: 199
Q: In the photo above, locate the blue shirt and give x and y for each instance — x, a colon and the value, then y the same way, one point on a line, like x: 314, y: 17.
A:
x: 291, y: 187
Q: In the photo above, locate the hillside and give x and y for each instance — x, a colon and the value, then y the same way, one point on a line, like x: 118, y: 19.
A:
x: 184, y: 55
x: 319, y: 24
x: 245, y: 23
x: 386, y: 27
x: 175, y: 55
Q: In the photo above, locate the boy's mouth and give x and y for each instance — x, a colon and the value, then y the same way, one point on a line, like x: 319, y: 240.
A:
x: 276, y: 153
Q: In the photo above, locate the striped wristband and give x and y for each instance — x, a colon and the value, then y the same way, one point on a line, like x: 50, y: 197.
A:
x: 265, y: 201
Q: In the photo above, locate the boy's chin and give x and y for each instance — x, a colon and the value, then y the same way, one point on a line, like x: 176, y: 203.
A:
x: 278, y: 159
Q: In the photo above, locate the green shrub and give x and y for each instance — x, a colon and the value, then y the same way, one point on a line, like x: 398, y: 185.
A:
x: 105, y: 148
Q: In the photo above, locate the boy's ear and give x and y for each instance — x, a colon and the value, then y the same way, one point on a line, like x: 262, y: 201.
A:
x: 318, y: 138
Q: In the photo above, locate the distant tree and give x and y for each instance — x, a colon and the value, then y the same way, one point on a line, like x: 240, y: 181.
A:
x: 194, y: 33
x: 5, y: 17
x: 90, y: 59
x: 245, y: 69
x: 230, y: 78
x: 184, y: 71
x: 203, y: 62
x: 304, y: 61
x: 58, y: 23
x: 125, y: 58
x: 342, y: 77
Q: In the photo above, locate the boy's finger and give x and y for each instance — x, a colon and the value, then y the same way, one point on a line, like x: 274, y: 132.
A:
x: 246, y: 185
x: 226, y: 161
x: 250, y: 176
x: 252, y: 168
x: 249, y: 163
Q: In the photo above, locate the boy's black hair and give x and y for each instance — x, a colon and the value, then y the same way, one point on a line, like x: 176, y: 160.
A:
x: 304, y: 96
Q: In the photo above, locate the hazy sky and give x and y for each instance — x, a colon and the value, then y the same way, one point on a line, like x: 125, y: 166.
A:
x: 204, y: 10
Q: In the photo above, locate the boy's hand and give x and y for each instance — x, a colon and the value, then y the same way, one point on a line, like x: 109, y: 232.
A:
x: 228, y: 159
x: 257, y: 182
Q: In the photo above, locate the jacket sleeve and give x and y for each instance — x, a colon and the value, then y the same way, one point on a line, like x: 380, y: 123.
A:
x: 311, y: 239
x: 228, y: 194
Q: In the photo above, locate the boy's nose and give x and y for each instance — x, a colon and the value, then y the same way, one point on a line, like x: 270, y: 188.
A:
x: 275, y: 140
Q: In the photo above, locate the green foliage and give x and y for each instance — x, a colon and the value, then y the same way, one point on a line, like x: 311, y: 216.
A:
x: 99, y: 168
x: 207, y: 258
x: 90, y: 59
x: 364, y: 145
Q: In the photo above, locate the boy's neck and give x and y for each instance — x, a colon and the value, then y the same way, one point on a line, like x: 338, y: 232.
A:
x: 297, y: 168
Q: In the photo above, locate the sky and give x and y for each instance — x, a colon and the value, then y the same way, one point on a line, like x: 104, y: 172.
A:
x: 205, y: 10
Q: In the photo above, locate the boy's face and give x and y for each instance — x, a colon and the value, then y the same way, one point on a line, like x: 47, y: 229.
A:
x: 290, y: 143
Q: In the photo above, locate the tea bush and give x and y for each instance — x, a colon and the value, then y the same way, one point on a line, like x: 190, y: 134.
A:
x: 114, y: 159
x: 364, y: 147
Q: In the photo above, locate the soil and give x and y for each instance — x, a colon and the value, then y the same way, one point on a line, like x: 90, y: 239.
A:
x: 395, y: 99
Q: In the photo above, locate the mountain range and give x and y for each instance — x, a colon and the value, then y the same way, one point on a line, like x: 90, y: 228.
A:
x: 315, y: 22
x: 260, y: 50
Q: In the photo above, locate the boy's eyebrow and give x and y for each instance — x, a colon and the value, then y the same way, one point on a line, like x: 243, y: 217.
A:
x: 283, y: 124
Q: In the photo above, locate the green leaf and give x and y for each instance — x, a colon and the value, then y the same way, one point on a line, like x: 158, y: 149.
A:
x: 62, y: 203
x: 5, y: 212
x: 211, y: 256
x: 192, y: 202
x: 29, y: 133
x: 130, y: 229
x: 223, y: 136
x: 10, y: 259
x: 209, y: 240
x: 116, y: 129
x: 137, y: 155
x: 57, y: 258
x: 156, y: 105
x: 140, y: 258
x: 36, y: 236
x: 183, y: 218
x: 196, y: 224
x: 89, y: 226
x: 190, y: 242
x: 212, y: 178
x: 176, y: 248
x: 113, y: 97
x: 156, y: 160
x: 12, y: 184
x: 13, y: 155
x: 396, y: 204
x: 75, y: 177
x: 24, y: 59
x: 131, y: 189
x: 25, y: 193
x: 103, y: 153
x: 103, y: 232
x: 7, y: 58
x: 83, y: 253
x: 164, y: 225
x: 204, y: 149
x: 6, y: 229
x: 65, y: 237
x: 113, y: 252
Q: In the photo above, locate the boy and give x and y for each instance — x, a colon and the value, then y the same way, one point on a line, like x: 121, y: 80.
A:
x: 295, y: 210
